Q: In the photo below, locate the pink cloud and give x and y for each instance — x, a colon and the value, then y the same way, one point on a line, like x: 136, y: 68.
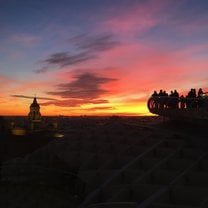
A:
x: 145, y: 67
x: 136, y: 18
x: 141, y: 17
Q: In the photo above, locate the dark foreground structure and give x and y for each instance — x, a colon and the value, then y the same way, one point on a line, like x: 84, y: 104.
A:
x: 111, y: 163
x: 180, y: 108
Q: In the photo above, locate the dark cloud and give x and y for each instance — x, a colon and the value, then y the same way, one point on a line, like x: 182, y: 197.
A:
x: 30, y: 97
x: 85, y: 89
x: 87, y: 47
x: 64, y: 58
x: 85, y: 86
x: 41, y: 70
x: 95, y: 43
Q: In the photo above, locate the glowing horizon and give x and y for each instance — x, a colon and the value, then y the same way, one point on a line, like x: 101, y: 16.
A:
x: 86, y: 57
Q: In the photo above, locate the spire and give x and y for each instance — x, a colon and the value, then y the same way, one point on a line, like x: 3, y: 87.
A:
x: 35, y: 100
x: 35, y: 103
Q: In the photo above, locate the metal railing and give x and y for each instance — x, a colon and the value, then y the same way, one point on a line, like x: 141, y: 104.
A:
x: 171, y: 102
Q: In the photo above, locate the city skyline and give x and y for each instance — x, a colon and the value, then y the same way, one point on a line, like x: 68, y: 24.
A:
x: 90, y: 57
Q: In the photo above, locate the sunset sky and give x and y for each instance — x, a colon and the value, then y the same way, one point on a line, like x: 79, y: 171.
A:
x: 99, y: 57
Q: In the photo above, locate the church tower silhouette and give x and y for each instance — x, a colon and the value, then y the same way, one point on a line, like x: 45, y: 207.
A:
x: 34, y: 114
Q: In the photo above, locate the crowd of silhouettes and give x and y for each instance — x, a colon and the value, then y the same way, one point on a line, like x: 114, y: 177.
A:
x: 164, y: 100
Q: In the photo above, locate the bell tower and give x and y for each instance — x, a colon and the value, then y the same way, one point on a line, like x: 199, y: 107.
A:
x: 34, y: 115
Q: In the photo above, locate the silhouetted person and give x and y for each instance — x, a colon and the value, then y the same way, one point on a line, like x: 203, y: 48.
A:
x: 171, y: 102
x: 176, y: 98
x: 165, y: 95
x: 200, y: 98
x: 200, y: 92
x: 194, y: 102
x: 160, y: 93
x: 155, y: 97
x: 188, y: 99
x: 161, y: 99
x: 176, y: 94
x: 154, y: 94
x: 182, y: 102
x: 191, y: 99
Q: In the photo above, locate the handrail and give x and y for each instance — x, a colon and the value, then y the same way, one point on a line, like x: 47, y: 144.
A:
x: 160, y: 104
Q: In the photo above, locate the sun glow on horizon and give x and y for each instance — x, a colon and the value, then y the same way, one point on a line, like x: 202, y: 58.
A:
x: 22, y: 109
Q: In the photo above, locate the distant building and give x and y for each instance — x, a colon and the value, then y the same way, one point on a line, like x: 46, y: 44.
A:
x: 34, y: 115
